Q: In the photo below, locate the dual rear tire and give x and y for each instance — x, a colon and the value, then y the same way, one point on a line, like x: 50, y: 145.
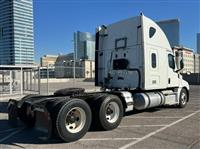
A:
x: 107, y: 112
x: 74, y: 117
x: 72, y: 120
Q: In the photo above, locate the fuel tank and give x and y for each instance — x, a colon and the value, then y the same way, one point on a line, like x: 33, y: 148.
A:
x: 148, y: 100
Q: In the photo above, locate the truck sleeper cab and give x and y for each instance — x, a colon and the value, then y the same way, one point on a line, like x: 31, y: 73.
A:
x: 136, y: 68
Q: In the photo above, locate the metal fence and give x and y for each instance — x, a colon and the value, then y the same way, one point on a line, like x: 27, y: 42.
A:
x: 10, y: 82
x: 19, y: 80
x: 43, y: 80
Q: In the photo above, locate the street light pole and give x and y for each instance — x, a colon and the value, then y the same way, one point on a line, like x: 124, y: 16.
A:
x: 74, y: 65
x: 74, y: 71
x: 47, y: 79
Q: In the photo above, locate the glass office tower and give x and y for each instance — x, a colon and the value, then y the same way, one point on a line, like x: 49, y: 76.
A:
x: 171, y: 29
x: 16, y: 32
x: 84, y: 45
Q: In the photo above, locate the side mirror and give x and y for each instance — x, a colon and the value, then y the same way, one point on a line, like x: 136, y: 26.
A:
x: 180, y: 65
x: 179, y: 60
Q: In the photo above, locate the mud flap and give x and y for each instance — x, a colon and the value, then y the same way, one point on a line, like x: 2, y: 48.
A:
x: 12, y: 113
x: 43, y: 122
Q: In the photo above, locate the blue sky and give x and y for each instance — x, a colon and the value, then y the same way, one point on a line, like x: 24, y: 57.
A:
x: 56, y: 20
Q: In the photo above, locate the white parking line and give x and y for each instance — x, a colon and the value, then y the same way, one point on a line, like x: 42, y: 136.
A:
x: 195, y: 103
x: 157, y: 131
x: 11, y: 134
x: 108, y: 139
x: 189, y: 111
x: 168, y: 111
x: 156, y: 117
x: 120, y: 139
x: 129, y: 126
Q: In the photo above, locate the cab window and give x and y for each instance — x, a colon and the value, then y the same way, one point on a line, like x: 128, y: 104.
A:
x: 152, y: 31
x: 153, y: 60
x: 171, y: 61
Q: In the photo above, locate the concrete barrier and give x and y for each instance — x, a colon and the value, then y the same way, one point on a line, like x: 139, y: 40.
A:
x: 57, y: 80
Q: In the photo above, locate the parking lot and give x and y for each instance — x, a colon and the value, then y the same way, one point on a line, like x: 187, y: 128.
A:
x: 157, y: 128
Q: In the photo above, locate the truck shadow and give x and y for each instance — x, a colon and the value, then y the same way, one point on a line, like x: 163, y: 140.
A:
x: 21, y: 136
x: 151, y: 110
x: 27, y: 136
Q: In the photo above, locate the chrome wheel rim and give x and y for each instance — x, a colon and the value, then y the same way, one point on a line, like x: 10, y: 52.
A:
x: 112, y: 112
x: 183, y: 98
x: 75, y: 120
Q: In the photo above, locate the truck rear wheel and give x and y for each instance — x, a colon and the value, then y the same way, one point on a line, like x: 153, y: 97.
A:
x: 109, y: 113
x: 73, y: 120
x: 183, y: 98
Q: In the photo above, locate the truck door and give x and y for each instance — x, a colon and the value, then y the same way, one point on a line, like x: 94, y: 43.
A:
x: 172, y: 74
x: 153, y: 69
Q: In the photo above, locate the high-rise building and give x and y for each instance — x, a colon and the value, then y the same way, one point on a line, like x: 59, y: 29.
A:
x: 198, y: 43
x: 171, y: 30
x: 16, y: 32
x: 84, y: 45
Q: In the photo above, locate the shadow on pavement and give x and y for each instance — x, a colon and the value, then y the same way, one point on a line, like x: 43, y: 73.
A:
x: 34, y: 136
x: 24, y: 135
x: 152, y: 110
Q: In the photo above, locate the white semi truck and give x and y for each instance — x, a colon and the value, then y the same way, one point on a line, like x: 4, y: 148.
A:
x: 136, y: 68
